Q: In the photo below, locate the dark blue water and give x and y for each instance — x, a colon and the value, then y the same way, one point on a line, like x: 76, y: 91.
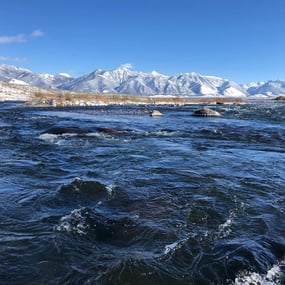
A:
x: 170, y: 200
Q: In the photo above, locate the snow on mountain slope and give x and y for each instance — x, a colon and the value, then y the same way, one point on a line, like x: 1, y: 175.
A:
x: 152, y: 83
x: 123, y: 80
x: 92, y: 82
x: 194, y: 84
x: 19, y: 82
x: 268, y: 89
x: 127, y: 81
x: 8, y: 73
x: 230, y: 89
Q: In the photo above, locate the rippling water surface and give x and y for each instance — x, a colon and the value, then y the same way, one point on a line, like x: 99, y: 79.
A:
x: 170, y: 200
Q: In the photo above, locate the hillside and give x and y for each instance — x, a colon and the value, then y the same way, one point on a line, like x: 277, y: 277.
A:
x: 126, y: 81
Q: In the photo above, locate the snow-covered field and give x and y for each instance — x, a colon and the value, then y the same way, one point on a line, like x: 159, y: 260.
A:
x: 20, y: 92
x: 15, y: 92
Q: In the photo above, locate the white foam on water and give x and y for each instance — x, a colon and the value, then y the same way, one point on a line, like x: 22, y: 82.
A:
x: 174, y: 246
x: 273, y: 276
x: 225, y: 228
x: 56, y: 139
x: 161, y: 133
x: 223, y: 231
x: 73, y: 223
x: 110, y: 189
x: 100, y: 135
x: 51, y: 138
x: 171, y: 247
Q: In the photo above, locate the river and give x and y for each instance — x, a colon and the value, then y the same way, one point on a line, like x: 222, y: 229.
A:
x: 110, y: 195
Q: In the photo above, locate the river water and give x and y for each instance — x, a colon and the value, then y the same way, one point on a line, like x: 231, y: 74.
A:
x: 170, y: 200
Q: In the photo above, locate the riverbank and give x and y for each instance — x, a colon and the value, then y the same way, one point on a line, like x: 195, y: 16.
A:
x: 34, y: 96
x: 64, y: 99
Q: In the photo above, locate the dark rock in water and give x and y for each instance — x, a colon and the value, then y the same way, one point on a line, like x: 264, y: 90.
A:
x: 65, y: 130
x: 107, y: 130
x: 82, y: 191
x: 94, y: 225
x: 280, y: 98
x: 77, y: 130
x: 206, y: 112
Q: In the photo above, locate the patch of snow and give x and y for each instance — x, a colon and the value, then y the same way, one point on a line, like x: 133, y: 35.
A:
x: 206, y: 90
x: 46, y: 76
x: 19, y: 82
x: 233, y: 92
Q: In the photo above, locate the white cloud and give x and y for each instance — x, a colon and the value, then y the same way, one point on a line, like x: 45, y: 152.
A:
x: 13, y: 59
x: 20, y: 38
x: 37, y: 33
x: 13, y: 39
x: 126, y: 66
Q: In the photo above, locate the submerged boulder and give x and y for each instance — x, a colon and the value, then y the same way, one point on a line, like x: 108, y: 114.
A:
x: 206, y: 112
x: 280, y: 98
x: 78, y: 131
x: 65, y: 130
x: 107, y: 130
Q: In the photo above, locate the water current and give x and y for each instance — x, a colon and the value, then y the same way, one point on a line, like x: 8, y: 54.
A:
x: 110, y: 195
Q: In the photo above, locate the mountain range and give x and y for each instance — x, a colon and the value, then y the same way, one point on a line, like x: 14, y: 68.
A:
x: 123, y: 80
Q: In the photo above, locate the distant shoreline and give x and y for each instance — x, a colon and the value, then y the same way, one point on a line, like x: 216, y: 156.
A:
x: 38, y: 97
x: 69, y: 99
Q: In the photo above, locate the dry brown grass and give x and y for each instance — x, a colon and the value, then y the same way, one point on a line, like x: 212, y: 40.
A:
x: 67, y: 98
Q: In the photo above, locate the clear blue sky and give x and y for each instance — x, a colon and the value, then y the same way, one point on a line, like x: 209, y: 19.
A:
x: 242, y: 40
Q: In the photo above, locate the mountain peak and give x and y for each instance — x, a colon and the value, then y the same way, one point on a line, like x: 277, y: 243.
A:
x: 155, y: 73
x: 127, y: 81
x: 14, y: 68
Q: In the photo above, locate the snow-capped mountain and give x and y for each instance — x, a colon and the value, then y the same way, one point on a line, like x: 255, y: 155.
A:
x: 126, y: 81
x: 123, y: 80
x: 267, y: 89
x: 23, y: 76
x: 101, y: 81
